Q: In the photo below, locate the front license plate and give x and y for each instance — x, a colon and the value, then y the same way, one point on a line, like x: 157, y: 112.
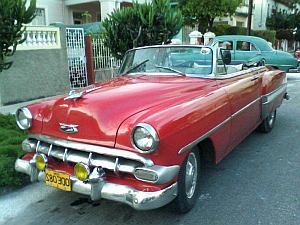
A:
x: 58, y: 180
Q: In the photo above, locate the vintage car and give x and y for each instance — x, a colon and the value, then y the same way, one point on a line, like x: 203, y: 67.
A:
x: 249, y: 48
x: 142, y: 138
x: 297, y: 54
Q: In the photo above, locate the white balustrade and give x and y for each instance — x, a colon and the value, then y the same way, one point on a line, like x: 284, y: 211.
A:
x: 40, y: 38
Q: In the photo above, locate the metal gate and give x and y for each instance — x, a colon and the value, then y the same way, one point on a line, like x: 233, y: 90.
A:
x: 76, y: 57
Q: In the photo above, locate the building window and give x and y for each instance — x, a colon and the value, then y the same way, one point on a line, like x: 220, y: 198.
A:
x: 77, y: 17
x: 220, y: 22
x: 40, y: 17
x: 239, y: 24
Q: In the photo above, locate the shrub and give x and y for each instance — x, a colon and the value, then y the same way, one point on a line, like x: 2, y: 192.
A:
x: 220, y: 29
x: 11, y: 138
x: 284, y: 34
x: 143, y: 24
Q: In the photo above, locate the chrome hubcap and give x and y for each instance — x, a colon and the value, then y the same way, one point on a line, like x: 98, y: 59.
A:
x: 191, y: 175
x: 271, y: 119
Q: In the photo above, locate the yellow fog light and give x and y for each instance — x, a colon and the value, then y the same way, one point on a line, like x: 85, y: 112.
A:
x: 81, y: 171
x: 41, y: 162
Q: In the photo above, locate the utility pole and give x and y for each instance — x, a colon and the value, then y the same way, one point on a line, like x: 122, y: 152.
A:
x: 249, y: 17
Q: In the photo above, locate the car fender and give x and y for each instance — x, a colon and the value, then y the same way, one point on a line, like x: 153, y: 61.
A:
x: 274, y: 88
x: 180, y: 126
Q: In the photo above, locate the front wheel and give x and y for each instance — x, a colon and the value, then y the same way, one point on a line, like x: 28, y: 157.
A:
x: 268, y: 123
x: 188, y: 183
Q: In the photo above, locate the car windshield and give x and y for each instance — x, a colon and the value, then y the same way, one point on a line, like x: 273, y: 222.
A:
x: 169, y: 60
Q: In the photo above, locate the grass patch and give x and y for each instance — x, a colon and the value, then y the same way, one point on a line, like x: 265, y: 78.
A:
x: 11, y: 138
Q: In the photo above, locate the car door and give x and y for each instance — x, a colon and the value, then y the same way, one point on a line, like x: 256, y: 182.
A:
x: 245, y: 51
x: 244, y: 96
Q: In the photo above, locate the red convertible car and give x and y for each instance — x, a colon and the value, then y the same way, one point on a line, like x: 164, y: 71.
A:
x: 141, y: 139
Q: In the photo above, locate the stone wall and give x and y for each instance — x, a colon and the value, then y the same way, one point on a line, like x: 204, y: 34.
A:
x: 35, y: 74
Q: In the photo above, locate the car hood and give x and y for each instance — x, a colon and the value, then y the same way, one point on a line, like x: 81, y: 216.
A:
x: 102, y: 108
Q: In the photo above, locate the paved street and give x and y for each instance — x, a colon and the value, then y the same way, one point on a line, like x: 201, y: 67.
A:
x: 258, y: 183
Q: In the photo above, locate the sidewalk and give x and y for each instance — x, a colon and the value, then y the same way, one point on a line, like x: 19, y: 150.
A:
x: 11, y: 109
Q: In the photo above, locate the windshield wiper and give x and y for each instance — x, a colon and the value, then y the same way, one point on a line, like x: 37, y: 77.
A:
x: 170, y: 69
x: 135, y: 67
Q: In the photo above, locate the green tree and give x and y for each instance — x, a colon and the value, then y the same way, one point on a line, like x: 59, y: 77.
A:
x: 13, y: 15
x: 203, y: 12
x: 284, y: 25
x: 289, y: 3
x: 143, y: 24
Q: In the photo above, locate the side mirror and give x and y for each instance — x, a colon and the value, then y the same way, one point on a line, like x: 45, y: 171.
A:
x: 226, y: 56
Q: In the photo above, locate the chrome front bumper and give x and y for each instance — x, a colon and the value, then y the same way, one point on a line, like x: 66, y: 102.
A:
x: 139, y: 200
x: 295, y: 70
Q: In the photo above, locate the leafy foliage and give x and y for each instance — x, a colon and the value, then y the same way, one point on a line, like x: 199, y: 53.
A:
x: 143, y: 24
x: 13, y: 14
x: 289, y: 3
x: 203, y: 12
x: 284, y: 25
x: 225, y: 29
x: 11, y: 138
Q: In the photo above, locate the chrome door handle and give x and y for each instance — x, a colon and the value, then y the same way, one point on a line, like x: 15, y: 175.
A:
x: 254, y: 78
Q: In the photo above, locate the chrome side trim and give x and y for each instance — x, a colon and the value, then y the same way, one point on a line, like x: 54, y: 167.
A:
x: 269, y: 98
x: 213, y: 130
x: 244, y: 108
x: 274, y: 94
x: 93, y: 148
x: 266, y: 100
x: 204, y: 136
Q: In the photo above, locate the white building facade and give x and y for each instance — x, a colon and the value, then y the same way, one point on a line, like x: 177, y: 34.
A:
x: 262, y: 9
x: 76, y: 11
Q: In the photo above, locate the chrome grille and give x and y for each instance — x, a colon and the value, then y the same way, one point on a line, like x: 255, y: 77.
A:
x: 66, y: 154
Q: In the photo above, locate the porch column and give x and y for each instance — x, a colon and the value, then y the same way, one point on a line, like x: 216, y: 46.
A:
x: 107, y: 6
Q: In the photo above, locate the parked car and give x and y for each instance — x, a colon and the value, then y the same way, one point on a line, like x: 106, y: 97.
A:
x: 141, y: 138
x: 249, y: 48
x: 297, y: 54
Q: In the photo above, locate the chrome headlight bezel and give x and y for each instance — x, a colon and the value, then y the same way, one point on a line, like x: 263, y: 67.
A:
x: 27, y: 115
x: 151, y: 132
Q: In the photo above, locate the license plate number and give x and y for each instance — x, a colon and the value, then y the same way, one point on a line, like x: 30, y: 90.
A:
x: 58, y: 180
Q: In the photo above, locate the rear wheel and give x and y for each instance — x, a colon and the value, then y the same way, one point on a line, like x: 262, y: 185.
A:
x: 268, y: 123
x: 188, y: 183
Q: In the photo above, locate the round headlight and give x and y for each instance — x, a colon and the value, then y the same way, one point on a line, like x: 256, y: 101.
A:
x: 81, y: 171
x: 24, y: 118
x: 144, y: 138
x: 41, y: 162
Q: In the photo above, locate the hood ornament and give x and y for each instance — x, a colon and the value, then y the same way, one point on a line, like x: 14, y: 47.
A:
x: 69, y: 128
x: 74, y: 94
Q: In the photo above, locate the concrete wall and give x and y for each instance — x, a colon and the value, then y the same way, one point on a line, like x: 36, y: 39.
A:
x: 105, y: 74
x: 35, y: 74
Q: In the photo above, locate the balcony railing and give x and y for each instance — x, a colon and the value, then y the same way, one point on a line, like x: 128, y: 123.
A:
x: 40, y: 38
